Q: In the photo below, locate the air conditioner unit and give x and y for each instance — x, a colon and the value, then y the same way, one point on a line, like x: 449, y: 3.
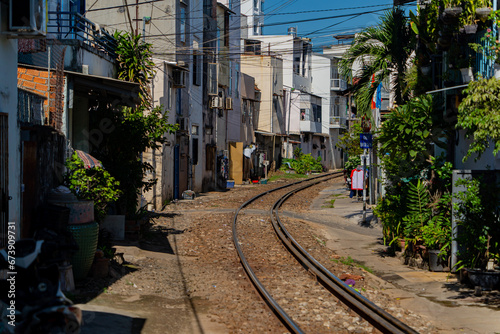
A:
x: 179, y: 78
x: 27, y: 18
x: 216, y: 102
x: 229, y: 103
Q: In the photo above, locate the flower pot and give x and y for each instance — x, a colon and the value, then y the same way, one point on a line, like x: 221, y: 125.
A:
x: 100, y: 268
x: 470, y: 29
x: 436, y: 263
x: 487, y: 280
x: 483, y: 12
x: 453, y: 11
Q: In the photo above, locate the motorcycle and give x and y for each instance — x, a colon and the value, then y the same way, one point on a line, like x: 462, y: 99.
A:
x: 34, y: 302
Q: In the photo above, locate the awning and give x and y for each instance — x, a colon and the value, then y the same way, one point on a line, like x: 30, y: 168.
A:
x: 88, y: 160
x: 270, y: 134
x: 120, y: 89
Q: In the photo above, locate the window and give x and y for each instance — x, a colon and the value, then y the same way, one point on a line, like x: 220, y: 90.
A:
x: 183, y: 20
x: 230, y: 88
x: 169, y: 95
x: 197, y: 68
x: 237, y: 81
x: 195, y: 130
x: 179, y: 99
x: 194, y: 152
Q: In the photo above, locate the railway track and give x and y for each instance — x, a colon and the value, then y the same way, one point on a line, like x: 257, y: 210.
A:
x: 264, y: 273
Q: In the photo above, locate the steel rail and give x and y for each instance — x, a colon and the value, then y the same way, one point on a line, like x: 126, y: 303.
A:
x: 369, y: 311
x: 275, y: 307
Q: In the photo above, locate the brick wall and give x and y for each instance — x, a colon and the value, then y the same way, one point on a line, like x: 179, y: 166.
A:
x: 37, y: 81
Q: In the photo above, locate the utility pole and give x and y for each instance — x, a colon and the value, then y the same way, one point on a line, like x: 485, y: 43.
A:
x: 288, y: 130
x: 136, y: 17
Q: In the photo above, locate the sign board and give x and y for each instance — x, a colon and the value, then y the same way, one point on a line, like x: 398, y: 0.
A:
x: 367, y: 157
x: 365, y: 140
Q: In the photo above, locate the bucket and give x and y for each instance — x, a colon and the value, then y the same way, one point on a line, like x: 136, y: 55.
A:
x: 436, y: 263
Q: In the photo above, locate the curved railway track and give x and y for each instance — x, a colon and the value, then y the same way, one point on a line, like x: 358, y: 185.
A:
x: 376, y: 316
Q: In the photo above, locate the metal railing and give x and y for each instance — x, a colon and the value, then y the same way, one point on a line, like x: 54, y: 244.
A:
x: 337, y: 121
x: 74, y: 26
x: 30, y: 108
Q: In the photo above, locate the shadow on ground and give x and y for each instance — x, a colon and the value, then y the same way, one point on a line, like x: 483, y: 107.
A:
x: 105, y: 322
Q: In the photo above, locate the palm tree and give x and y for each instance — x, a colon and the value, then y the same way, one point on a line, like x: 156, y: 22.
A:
x: 382, y: 52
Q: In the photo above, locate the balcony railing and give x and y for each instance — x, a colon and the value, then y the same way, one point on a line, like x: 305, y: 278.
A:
x: 338, y: 84
x: 71, y: 25
x: 337, y: 122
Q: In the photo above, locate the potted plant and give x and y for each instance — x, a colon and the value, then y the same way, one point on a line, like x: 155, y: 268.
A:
x: 483, y: 9
x: 436, y: 234
x: 452, y: 8
x: 478, y: 219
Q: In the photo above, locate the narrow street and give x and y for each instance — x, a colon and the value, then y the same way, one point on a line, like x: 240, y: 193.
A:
x: 189, y: 279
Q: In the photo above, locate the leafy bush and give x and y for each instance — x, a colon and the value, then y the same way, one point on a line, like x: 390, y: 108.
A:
x: 92, y: 184
x: 304, y: 164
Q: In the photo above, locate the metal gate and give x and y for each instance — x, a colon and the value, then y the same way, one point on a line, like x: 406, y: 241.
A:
x: 4, y: 179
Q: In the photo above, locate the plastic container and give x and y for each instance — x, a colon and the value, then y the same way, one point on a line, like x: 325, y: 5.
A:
x: 229, y: 184
x: 86, y: 236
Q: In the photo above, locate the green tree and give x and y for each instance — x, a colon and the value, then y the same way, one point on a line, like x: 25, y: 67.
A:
x: 135, y: 128
x: 349, y: 142
x: 134, y: 63
x: 406, y: 136
x: 479, y: 115
x: 383, y: 51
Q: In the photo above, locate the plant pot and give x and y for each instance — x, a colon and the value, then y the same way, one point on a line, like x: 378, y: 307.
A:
x: 436, y: 263
x: 483, y: 12
x: 100, y: 268
x: 487, y: 280
x: 453, y: 11
x: 470, y: 29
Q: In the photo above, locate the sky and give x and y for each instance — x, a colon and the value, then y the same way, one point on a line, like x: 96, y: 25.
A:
x: 324, y: 18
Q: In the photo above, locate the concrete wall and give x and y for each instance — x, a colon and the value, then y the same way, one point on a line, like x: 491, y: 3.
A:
x: 260, y: 67
x: 162, y: 34
x: 487, y: 160
x: 8, y: 104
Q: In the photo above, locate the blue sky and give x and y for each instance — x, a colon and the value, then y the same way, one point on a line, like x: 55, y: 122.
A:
x: 317, y: 28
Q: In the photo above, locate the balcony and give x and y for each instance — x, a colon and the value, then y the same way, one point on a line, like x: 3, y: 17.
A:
x: 74, y: 26
x: 310, y: 126
x: 338, y: 84
x: 337, y: 122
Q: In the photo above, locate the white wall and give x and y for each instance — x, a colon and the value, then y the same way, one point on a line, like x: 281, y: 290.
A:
x: 8, y: 104
x: 487, y: 160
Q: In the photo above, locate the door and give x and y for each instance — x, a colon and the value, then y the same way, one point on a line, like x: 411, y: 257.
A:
x: 176, y: 171
x: 29, y: 189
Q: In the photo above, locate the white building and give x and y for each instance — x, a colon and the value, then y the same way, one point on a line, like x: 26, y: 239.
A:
x: 252, y: 21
